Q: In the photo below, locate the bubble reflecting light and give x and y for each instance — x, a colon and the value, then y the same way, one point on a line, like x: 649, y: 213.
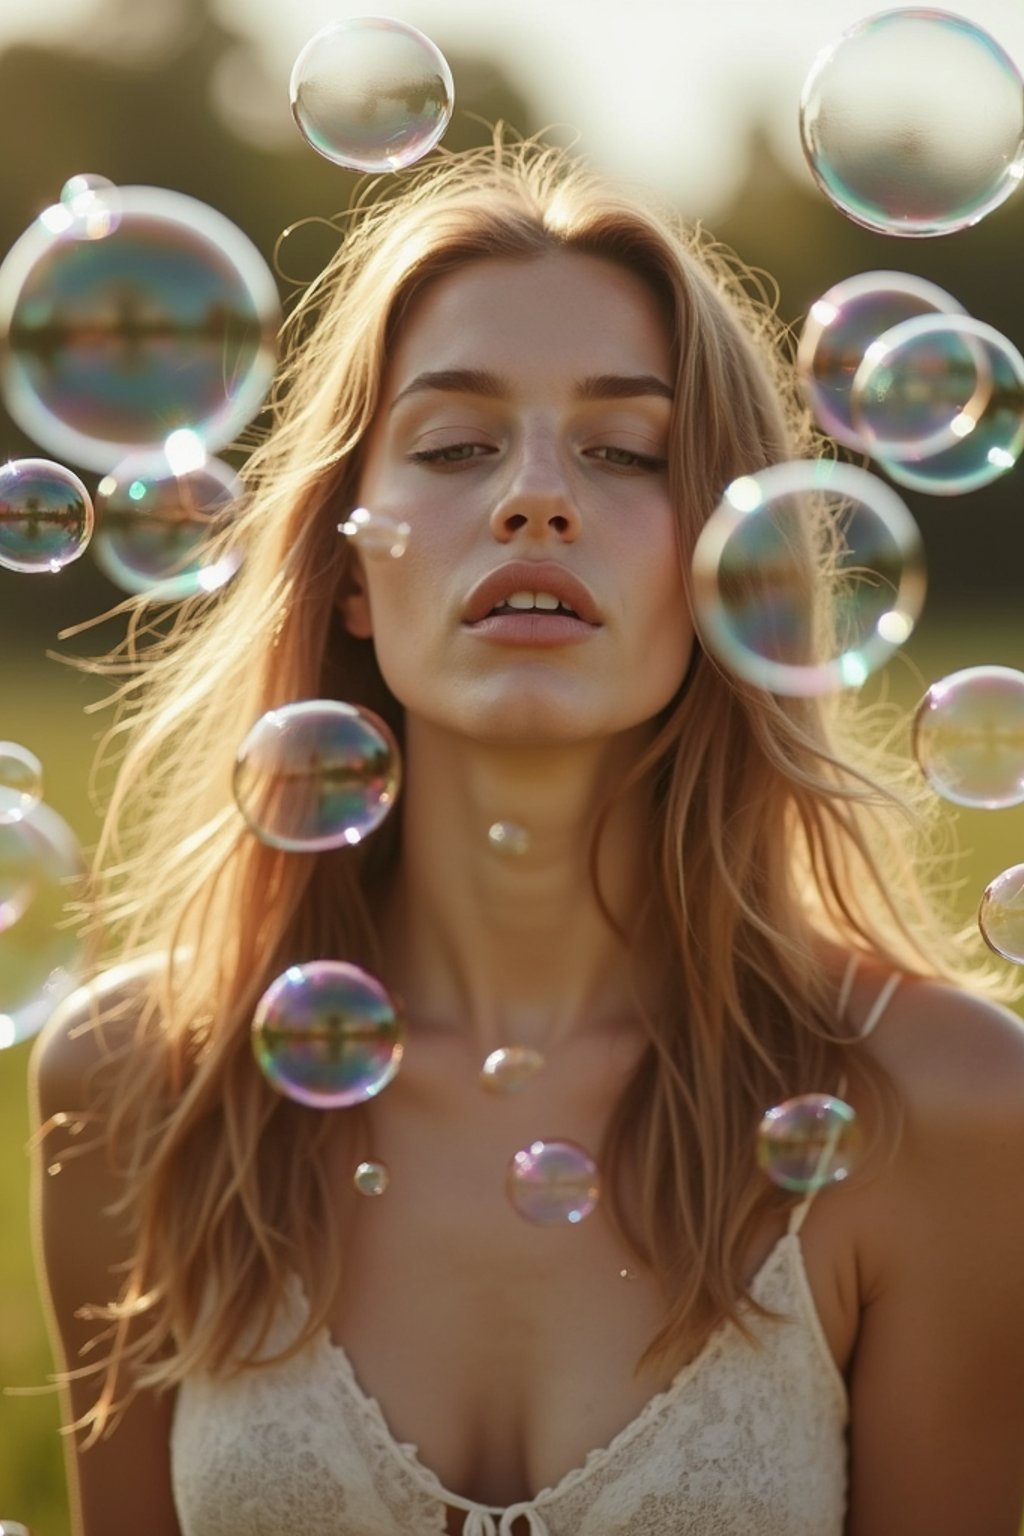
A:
x: 327, y: 1035
x: 968, y: 737
x: 371, y: 94
x: 510, y: 1068
x: 168, y: 322
x: 840, y: 328
x: 40, y: 952
x: 912, y: 122
x: 375, y: 535
x: 46, y: 516
x: 21, y: 782
x: 156, y: 527
x: 1001, y: 914
x: 93, y: 206
x: 808, y: 1142
x: 317, y: 774
x: 553, y: 1183
x: 807, y: 577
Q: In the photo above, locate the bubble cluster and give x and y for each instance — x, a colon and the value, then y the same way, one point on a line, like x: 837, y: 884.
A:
x: 510, y: 1068
x: 375, y: 535
x: 327, y: 1035
x: 155, y: 528
x: 41, y: 875
x: 371, y: 94
x: 168, y: 322
x: 46, y: 516
x: 21, y: 782
x: 553, y: 1183
x: 1001, y: 914
x: 807, y: 576
x: 840, y: 328
x: 316, y: 774
x: 371, y: 1179
x: 912, y: 122
x: 968, y: 737
x: 940, y: 403
x: 808, y: 1142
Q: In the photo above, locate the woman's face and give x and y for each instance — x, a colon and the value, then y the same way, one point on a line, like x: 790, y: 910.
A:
x: 523, y: 436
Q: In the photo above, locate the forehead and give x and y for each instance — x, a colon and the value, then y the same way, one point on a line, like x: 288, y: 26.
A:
x: 564, y: 312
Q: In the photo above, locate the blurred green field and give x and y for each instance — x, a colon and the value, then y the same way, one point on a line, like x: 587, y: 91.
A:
x: 42, y: 707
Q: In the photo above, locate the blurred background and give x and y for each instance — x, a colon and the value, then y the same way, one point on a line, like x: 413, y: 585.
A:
x: 697, y: 102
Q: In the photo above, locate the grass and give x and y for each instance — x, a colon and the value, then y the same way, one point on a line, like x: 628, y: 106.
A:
x: 44, y: 712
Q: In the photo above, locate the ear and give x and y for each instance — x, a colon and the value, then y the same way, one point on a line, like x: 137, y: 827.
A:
x: 353, y: 602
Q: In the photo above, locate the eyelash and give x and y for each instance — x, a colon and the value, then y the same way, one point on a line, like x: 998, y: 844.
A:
x: 437, y: 456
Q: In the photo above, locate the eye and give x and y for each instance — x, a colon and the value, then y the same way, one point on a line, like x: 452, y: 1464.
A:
x: 625, y: 458
x: 453, y: 453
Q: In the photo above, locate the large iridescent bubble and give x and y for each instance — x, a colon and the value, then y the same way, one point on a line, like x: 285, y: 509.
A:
x: 809, y: 1141
x: 46, y: 516
x: 371, y: 94
x: 807, y: 577
x: 912, y: 122
x: 328, y: 1035
x: 968, y: 737
x: 316, y: 774
x: 110, y: 345
x: 41, y: 952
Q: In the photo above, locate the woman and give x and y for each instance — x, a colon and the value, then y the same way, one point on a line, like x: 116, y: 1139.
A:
x: 714, y: 910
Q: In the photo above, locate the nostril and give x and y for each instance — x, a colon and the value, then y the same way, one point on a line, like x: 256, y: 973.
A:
x: 516, y: 521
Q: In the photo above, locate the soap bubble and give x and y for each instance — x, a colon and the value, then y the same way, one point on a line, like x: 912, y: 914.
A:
x: 375, y: 535
x: 1001, y: 914
x: 40, y: 954
x: 778, y: 546
x: 328, y: 1035
x: 46, y: 516
x: 553, y: 1183
x: 371, y: 94
x: 371, y: 1179
x: 840, y: 327
x: 940, y: 403
x: 510, y: 1068
x: 808, y: 1142
x: 509, y: 838
x: 155, y: 527
x: 168, y: 322
x: 968, y: 737
x: 21, y: 782
x: 316, y: 774
x: 912, y: 123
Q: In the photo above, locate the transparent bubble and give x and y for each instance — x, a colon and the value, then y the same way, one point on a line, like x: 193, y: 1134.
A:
x: 1001, y: 914
x: 156, y: 528
x: 807, y: 576
x: 371, y: 94
x: 375, y: 535
x: 808, y: 1142
x: 326, y: 1034
x: 840, y: 327
x: 371, y: 1179
x: 509, y: 838
x: 21, y: 781
x: 912, y: 122
x: 168, y: 322
x: 553, y: 1183
x: 510, y: 1068
x: 93, y: 205
x: 46, y: 516
x: 940, y: 403
x: 40, y: 953
x: 316, y: 774
x: 968, y: 737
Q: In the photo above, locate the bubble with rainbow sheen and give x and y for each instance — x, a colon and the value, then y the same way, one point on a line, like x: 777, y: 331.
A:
x: 840, y: 328
x: 968, y: 737
x: 316, y: 774
x: 509, y: 1068
x: 21, y: 782
x: 940, y: 403
x: 371, y: 94
x: 168, y: 322
x: 371, y: 1178
x: 156, y: 528
x: 1001, y: 914
x: 41, y: 950
x: 376, y: 535
x: 328, y: 1035
x: 46, y: 516
x: 89, y: 208
x: 808, y: 1142
x: 889, y: 143
x: 553, y: 1183
x: 807, y: 577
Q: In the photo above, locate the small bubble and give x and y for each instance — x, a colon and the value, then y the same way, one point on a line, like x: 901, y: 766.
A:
x: 509, y: 838
x: 510, y: 1068
x: 371, y: 1179
x: 21, y: 782
x: 54, y: 1168
x: 375, y: 535
x: 46, y: 516
x: 808, y: 1142
x: 1001, y: 914
x: 553, y: 1183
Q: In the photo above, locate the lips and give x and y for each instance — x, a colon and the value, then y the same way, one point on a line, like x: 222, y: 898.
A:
x: 531, y: 576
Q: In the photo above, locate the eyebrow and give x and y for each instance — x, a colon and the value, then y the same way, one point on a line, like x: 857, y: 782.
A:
x: 477, y: 381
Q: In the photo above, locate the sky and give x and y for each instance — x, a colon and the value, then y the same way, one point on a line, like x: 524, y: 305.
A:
x: 663, y: 91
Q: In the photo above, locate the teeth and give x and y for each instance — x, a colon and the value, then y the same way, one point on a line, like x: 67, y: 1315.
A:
x: 524, y: 601
x: 519, y: 600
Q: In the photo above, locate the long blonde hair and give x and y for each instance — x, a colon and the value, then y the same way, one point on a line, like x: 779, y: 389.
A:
x: 776, y: 844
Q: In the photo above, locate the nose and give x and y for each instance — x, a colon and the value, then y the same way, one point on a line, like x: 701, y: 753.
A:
x: 537, y: 500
